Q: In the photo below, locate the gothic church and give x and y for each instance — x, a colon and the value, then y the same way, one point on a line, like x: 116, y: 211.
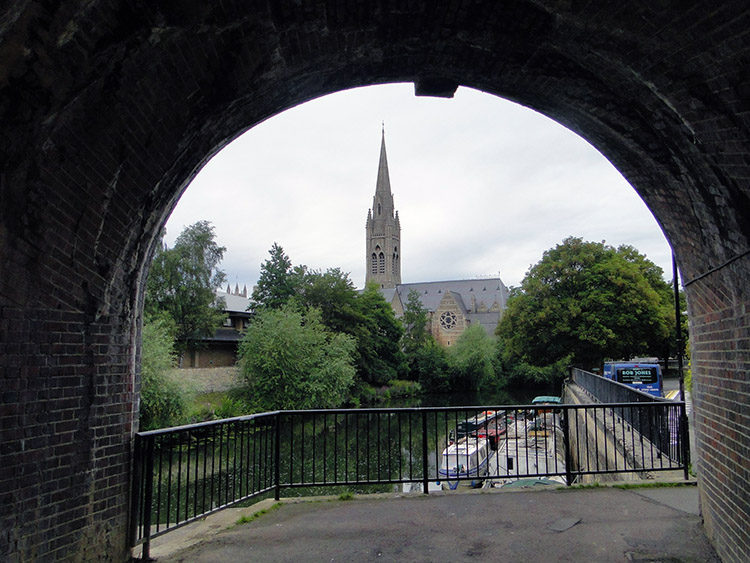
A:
x: 452, y: 306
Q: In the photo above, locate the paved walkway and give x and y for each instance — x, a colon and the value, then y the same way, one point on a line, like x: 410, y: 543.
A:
x: 591, y: 525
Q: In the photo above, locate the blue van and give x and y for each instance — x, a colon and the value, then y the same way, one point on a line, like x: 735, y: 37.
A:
x: 641, y: 376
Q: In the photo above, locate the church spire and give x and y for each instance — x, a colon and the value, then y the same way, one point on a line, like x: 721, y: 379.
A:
x: 383, y: 185
x: 383, y: 230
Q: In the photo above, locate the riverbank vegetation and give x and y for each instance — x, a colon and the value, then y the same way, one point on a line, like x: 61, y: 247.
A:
x: 315, y: 341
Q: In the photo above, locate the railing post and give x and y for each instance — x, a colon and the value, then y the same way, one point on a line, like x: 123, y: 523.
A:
x: 277, y: 458
x: 566, y: 445
x: 149, y: 497
x: 685, y: 434
x: 135, y: 490
x: 425, y: 479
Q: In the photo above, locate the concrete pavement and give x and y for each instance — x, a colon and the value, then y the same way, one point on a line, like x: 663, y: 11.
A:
x: 599, y: 524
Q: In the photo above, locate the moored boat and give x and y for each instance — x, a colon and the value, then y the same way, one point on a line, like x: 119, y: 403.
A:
x: 464, y: 463
x: 481, y: 421
x: 535, y: 454
x: 545, y: 400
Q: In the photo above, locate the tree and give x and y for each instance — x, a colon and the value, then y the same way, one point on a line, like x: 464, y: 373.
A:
x: 183, y: 281
x: 379, y: 356
x: 335, y: 295
x: 426, y: 360
x: 291, y: 361
x: 586, y: 301
x: 162, y: 400
x: 472, y: 360
x: 414, y: 321
x: 278, y: 282
x: 429, y: 366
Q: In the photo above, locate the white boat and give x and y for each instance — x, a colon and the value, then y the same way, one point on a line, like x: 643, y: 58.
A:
x: 464, y: 463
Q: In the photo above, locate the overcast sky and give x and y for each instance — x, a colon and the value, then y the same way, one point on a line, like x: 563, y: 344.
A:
x: 482, y: 186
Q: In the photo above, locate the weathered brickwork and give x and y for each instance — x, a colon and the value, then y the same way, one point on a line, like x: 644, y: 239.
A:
x: 720, y: 331
x: 108, y: 108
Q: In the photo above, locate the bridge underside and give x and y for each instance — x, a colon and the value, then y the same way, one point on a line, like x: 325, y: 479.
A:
x: 110, y: 108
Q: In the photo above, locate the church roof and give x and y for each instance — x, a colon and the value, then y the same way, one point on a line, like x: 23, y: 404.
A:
x: 473, y: 295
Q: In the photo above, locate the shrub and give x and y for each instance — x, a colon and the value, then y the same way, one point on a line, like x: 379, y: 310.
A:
x: 162, y: 400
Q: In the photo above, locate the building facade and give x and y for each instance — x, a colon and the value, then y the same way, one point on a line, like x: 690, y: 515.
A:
x: 220, y: 350
x: 452, y: 306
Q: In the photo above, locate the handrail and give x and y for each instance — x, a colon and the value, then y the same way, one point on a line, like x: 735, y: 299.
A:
x: 185, y: 473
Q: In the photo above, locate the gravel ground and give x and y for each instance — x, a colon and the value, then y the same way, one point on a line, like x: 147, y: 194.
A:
x: 207, y: 380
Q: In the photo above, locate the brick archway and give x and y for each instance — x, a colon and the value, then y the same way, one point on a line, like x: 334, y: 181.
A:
x: 109, y: 108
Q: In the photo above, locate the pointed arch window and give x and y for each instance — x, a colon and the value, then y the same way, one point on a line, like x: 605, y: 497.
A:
x: 374, y: 263
x: 381, y: 263
x: 379, y: 209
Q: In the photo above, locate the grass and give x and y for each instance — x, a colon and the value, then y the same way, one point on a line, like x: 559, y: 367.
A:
x: 656, y: 485
x: 245, y: 519
x: 203, y: 406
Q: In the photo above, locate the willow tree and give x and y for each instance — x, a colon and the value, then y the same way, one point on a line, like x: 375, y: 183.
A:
x: 182, y: 283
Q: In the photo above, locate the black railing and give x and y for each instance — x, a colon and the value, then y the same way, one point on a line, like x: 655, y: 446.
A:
x: 184, y: 473
x: 657, y: 425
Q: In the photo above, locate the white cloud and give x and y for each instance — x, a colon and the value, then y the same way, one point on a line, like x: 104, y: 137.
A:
x: 481, y: 184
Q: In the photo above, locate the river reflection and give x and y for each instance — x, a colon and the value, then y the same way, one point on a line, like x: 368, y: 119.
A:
x: 509, y: 396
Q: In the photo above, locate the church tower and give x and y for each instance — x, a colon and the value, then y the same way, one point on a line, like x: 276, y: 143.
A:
x: 383, y: 231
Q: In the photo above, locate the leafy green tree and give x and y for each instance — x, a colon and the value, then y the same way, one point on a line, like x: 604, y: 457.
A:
x: 379, y: 356
x: 366, y: 316
x: 472, y: 360
x: 182, y: 282
x: 414, y: 321
x: 163, y: 402
x: 335, y: 295
x: 279, y: 282
x: 291, y: 361
x: 585, y: 301
x: 429, y: 366
x: 426, y: 360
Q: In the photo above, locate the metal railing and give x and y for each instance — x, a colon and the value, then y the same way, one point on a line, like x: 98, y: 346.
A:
x: 605, y: 390
x: 182, y: 474
x: 657, y: 425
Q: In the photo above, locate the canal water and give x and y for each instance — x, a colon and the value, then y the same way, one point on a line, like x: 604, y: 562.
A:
x: 508, y: 396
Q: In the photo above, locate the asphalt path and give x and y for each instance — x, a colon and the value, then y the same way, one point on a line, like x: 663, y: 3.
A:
x: 592, y: 525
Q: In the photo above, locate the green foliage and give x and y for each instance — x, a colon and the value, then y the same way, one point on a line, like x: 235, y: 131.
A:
x: 688, y: 376
x: 278, y: 282
x: 472, y: 360
x: 365, y: 316
x: 232, y: 405
x: 334, y: 294
x: 426, y: 360
x: 396, y: 390
x: 416, y: 335
x: 162, y: 401
x: 379, y: 356
x: 586, y: 301
x: 246, y: 519
x: 428, y: 364
x: 182, y: 282
x: 521, y: 372
x: 291, y: 361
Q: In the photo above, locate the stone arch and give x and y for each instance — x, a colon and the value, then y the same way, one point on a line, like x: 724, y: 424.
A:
x: 110, y: 109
